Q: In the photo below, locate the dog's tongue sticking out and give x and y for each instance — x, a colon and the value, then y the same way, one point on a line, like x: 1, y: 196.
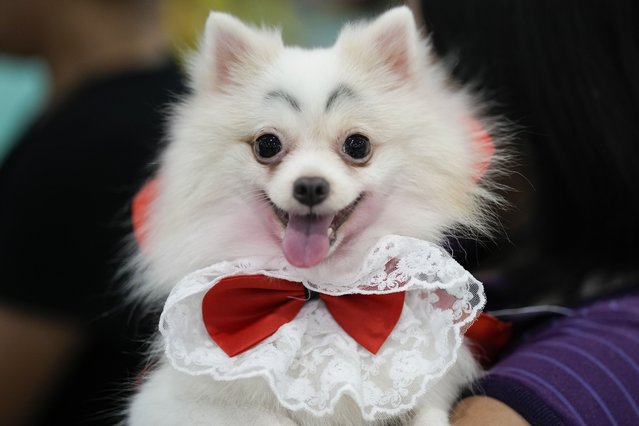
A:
x: 306, y: 239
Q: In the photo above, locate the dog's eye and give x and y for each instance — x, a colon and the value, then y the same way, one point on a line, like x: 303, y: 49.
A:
x: 357, y: 147
x: 267, y: 146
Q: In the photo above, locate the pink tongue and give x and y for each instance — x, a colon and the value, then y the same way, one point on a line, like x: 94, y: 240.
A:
x: 306, y: 240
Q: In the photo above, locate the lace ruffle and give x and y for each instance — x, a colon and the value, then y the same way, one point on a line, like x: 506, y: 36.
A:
x: 310, y: 363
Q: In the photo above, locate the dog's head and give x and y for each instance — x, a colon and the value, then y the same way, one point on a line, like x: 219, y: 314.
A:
x: 313, y: 154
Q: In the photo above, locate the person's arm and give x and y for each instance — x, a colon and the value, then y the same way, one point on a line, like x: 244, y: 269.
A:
x: 33, y: 353
x: 579, y: 370
x: 484, y: 411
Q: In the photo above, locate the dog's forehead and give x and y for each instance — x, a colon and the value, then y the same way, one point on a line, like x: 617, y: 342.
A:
x: 307, y: 76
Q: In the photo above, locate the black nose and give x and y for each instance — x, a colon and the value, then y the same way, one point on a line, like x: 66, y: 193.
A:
x: 310, y: 190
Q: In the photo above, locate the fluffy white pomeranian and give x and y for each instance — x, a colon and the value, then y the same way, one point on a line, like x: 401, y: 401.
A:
x: 311, y: 156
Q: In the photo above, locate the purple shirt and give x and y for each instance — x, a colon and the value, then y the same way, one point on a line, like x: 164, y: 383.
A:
x: 582, y: 369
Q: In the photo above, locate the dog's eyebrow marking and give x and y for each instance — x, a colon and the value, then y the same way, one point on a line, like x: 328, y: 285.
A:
x: 280, y: 94
x: 342, y: 91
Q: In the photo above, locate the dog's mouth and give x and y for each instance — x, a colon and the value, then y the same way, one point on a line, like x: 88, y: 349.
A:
x: 308, y: 237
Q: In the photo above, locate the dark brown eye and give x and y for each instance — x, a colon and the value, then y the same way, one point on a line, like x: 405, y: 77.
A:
x: 357, y: 147
x: 267, y: 146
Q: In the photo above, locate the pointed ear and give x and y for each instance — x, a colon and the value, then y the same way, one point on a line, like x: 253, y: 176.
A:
x: 230, y: 52
x: 391, y: 43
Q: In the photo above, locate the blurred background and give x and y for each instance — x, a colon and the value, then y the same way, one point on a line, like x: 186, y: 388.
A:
x: 24, y: 82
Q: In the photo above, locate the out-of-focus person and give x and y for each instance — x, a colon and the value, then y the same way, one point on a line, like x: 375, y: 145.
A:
x: 566, y: 73
x: 70, y: 342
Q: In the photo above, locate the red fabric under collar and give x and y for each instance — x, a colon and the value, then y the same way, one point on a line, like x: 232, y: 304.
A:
x: 489, y: 337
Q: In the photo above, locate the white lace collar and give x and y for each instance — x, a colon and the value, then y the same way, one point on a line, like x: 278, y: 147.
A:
x: 311, y: 362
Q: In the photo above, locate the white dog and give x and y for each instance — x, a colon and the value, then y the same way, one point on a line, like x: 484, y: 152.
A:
x: 307, y: 158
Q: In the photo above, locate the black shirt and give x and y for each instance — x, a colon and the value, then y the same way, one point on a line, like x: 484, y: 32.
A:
x: 65, y: 194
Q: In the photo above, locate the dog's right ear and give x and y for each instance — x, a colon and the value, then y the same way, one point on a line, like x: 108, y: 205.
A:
x: 230, y: 52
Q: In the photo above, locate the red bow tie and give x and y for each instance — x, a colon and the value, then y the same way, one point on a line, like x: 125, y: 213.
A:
x: 241, y: 311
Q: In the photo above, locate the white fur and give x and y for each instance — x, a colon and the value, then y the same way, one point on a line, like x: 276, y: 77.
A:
x: 169, y: 397
x: 419, y: 182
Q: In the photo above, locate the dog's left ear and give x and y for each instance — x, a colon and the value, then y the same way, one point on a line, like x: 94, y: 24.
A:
x: 390, y: 44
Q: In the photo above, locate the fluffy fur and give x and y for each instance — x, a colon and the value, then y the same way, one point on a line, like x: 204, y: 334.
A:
x: 215, y: 200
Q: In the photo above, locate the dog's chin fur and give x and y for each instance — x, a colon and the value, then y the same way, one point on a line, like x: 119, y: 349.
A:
x: 215, y: 199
